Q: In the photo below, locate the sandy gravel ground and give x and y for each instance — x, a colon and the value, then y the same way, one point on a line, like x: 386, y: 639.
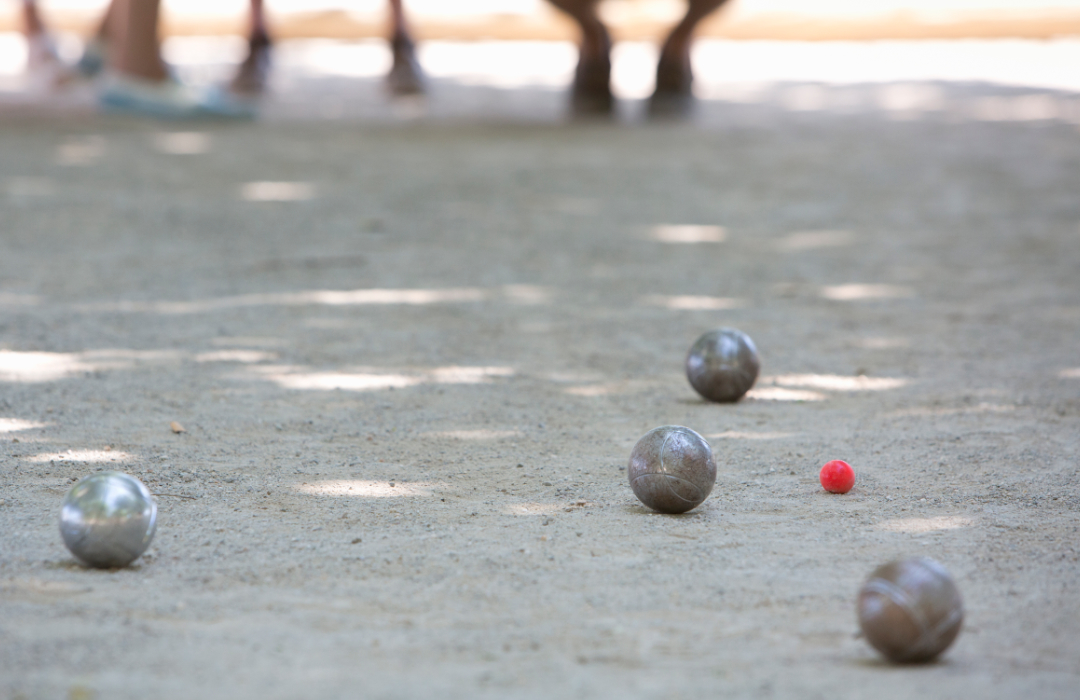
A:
x: 410, y: 390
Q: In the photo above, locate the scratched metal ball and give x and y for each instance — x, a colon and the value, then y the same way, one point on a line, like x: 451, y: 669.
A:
x: 672, y: 469
x: 722, y: 365
x: 108, y: 519
x: 910, y: 610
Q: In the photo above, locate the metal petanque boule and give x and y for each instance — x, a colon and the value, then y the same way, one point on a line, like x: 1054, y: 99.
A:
x: 910, y: 610
x: 722, y: 365
x: 672, y: 469
x: 108, y: 519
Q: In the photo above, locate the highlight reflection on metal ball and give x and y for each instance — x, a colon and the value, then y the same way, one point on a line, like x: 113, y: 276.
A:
x: 108, y: 519
x: 723, y: 364
x: 910, y: 610
x: 672, y: 469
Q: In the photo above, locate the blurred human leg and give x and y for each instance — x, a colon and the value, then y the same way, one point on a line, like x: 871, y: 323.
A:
x: 136, y: 51
x: 32, y: 24
x: 674, y: 77
x: 406, y: 77
x: 138, y: 80
x: 252, y: 75
x: 592, y: 79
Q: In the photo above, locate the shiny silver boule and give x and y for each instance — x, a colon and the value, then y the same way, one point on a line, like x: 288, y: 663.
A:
x: 722, y: 365
x: 910, y: 610
x: 108, y: 519
x: 672, y: 469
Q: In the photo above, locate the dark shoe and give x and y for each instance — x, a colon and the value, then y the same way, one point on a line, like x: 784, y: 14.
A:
x: 591, y: 94
x: 674, y: 94
x: 253, y: 74
x: 406, y: 77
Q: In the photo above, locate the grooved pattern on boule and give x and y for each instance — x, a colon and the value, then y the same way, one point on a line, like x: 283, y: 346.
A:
x: 722, y: 365
x: 910, y: 610
x: 672, y: 469
x: 108, y: 519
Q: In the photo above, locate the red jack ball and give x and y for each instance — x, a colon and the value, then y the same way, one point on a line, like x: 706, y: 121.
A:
x: 837, y: 476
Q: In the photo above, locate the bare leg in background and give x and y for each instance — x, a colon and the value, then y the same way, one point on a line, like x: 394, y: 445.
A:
x: 674, y: 77
x: 252, y: 75
x: 406, y: 77
x: 592, y: 80
x: 135, y: 50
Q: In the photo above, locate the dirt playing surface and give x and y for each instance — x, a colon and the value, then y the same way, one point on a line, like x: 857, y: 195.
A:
x: 411, y: 360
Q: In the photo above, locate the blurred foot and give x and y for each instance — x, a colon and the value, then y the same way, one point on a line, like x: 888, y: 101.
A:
x: 674, y: 95
x: 253, y: 74
x: 168, y: 99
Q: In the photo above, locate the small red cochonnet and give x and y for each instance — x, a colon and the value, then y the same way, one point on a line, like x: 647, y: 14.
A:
x: 837, y: 476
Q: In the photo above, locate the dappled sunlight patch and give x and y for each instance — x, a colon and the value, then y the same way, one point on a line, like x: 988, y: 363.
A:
x: 577, y: 206
x: 1073, y: 373
x: 42, y: 586
x: 360, y: 488
x: 573, y: 377
x: 775, y: 393
x: 356, y: 297
x: 181, y: 143
x: 80, y: 150
x: 468, y: 375
x: 287, y: 378
x: 14, y: 425
x: 605, y: 389
x: 242, y: 356
x: 791, y: 387
x: 251, y: 341
x: 748, y: 435
x: 87, y: 456
x: 921, y: 525
x: 688, y: 233
x: 528, y: 294
x: 928, y: 411
x: 836, y: 382
x: 337, y: 323
x: 417, y: 297
x: 883, y: 343
x: 1019, y: 108
x: 33, y: 367
x: 368, y: 379
x: 474, y: 434
x: 811, y: 240
x: 533, y: 508
x: 119, y: 357
x: 277, y: 191
x: 694, y: 303
x: 12, y: 299
x: 866, y: 292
